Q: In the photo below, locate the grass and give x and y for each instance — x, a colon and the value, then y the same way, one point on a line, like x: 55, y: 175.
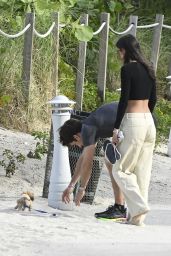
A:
x: 16, y: 115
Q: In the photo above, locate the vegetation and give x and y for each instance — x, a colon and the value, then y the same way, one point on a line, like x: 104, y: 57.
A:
x: 14, y: 114
x: 163, y: 114
x: 41, y: 148
x: 10, y: 160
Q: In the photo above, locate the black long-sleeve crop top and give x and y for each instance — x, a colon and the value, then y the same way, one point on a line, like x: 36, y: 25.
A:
x: 136, y: 84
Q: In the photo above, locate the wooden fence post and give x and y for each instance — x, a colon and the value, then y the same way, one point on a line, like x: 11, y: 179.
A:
x: 48, y: 167
x: 55, y: 52
x: 133, y: 20
x: 27, y: 55
x: 103, y: 51
x: 156, y: 41
x: 168, y: 86
x: 81, y: 67
x: 169, y: 66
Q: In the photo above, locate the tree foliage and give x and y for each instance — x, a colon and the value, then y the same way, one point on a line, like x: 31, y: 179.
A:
x: 12, y: 20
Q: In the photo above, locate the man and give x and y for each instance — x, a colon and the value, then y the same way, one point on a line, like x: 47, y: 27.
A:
x: 99, y: 124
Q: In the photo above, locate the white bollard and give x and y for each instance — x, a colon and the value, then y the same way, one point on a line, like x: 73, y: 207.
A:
x: 169, y: 145
x: 60, y: 174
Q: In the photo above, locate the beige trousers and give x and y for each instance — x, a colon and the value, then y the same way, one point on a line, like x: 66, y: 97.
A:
x: 133, y: 171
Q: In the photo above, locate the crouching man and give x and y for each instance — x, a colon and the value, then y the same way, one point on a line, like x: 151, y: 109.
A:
x: 99, y: 124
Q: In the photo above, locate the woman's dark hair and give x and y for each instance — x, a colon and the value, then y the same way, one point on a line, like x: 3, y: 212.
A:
x: 68, y: 130
x: 133, y: 52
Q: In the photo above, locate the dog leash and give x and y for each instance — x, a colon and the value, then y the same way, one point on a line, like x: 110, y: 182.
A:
x: 41, y: 211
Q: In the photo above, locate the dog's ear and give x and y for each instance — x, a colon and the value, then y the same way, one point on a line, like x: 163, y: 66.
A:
x: 31, y: 195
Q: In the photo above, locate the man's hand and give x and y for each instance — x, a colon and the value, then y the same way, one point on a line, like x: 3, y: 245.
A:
x: 66, y: 194
x: 79, y: 196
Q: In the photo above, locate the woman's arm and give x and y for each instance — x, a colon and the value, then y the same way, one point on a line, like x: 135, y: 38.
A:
x: 125, y: 91
x: 153, y: 98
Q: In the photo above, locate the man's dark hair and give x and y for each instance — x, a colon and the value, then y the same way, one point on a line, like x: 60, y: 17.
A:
x: 68, y: 130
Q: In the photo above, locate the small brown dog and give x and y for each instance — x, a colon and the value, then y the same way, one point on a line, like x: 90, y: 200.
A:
x: 25, y: 201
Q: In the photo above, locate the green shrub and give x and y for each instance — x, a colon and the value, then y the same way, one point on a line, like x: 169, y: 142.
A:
x: 163, y: 114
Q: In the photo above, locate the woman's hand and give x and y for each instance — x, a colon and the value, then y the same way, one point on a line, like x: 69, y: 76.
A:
x: 115, y: 139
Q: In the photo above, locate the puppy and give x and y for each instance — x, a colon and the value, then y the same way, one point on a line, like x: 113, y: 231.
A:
x: 25, y: 201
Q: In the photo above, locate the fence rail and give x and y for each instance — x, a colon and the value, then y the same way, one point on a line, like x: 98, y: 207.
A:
x: 47, y: 33
x: 16, y: 35
x: 123, y: 32
x: 103, y: 31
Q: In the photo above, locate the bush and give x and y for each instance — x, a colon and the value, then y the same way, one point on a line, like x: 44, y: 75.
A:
x: 163, y: 114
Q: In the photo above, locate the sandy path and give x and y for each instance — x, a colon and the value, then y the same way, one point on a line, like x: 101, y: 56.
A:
x: 78, y: 232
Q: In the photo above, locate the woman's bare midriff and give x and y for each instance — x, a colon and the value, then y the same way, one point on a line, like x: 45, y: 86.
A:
x: 137, y: 106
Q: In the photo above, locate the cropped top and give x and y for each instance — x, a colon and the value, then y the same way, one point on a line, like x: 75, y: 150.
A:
x: 136, y: 84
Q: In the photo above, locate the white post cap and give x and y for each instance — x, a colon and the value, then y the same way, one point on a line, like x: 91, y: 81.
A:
x: 168, y: 77
x: 61, y: 99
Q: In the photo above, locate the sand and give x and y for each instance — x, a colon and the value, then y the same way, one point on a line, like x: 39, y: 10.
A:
x: 77, y: 232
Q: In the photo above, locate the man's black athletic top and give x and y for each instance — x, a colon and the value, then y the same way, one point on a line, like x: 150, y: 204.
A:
x: 136, y: 84
x: 99, y: 124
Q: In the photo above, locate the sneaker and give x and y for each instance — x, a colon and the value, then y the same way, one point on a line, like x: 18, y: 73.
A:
x: 113, y: 212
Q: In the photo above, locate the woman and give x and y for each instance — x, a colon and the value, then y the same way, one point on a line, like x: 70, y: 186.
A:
x: 137, y: 101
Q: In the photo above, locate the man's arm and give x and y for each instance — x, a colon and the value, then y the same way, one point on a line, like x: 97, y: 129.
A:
x: 77, y: 171
x: 75, y: 177
x: 86, y: 169
x: 83, y: 169
x: 86, y: 165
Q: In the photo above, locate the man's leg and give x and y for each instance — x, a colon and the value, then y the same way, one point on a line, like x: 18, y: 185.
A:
x: 118, y: 210
x: 118, y: 196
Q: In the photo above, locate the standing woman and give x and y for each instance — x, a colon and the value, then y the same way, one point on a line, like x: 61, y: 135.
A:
x: 138, y: 98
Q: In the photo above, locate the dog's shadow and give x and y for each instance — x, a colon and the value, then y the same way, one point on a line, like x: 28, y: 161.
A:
x: 35, y: 213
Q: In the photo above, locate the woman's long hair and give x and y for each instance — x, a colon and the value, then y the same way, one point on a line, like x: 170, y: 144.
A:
x: 133, y: 52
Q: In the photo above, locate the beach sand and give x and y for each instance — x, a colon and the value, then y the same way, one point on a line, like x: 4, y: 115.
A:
x: 77, y: 232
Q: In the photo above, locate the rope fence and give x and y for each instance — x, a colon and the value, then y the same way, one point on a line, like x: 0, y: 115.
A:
x: 148, y: 26
x: 124, y: 32
x: 46, y: 34
x: 29, y: 31
x: 94, y: 33
x: 100, y: 29
x: 16, y: 35
x: 166, y: 26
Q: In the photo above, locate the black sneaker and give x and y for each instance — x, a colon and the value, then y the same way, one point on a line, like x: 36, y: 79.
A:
x: 113, y: 212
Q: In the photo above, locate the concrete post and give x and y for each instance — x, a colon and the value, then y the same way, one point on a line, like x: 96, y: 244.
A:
x: 60, y: 174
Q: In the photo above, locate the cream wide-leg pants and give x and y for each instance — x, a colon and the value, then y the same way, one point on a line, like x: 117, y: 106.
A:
x: 133, y: 171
